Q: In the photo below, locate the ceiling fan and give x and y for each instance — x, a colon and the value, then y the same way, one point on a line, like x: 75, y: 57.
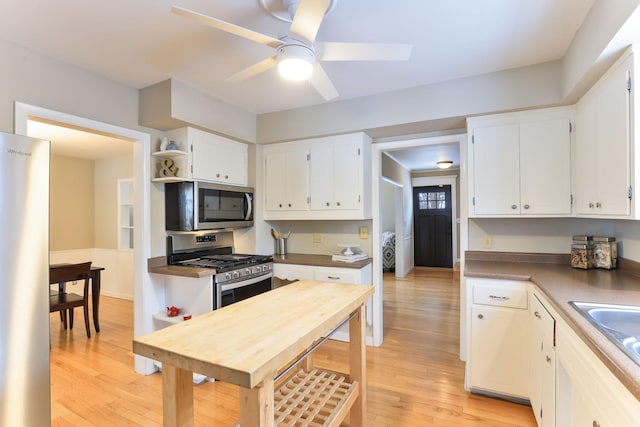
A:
x: 295, y: 53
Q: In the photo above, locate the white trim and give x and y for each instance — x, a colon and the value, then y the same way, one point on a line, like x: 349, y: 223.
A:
x: 377, y: 150
x: 142, y: 321
x: 451, y: 181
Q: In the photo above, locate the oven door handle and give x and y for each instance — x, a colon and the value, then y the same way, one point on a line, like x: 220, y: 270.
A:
x: 249, y: 206
x: 247, y: 282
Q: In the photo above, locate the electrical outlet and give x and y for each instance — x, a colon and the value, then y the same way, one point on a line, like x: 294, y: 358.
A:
x: 317, y: 237
x: 364, y: 232
x: 487, y: 242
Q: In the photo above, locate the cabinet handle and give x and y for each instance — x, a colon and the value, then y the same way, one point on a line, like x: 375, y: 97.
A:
x: 226, y: 177
x: 328, y: 203
x: 514, y: 206
x: 217, y: 175
x: 526, y: 206
x: 333, y: 277
x: 548, y: 359
x: 598, y: 205
x: 590, y: 205
x: 280, y: 205
x: 595, y: 423
x: 480, y: 316
x: 289, y: 205
x: 537, y: 314
x: 338, y: 203
x: 498, y: 297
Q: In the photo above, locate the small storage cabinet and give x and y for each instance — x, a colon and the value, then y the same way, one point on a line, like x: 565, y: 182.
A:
x: 125, y: 214
x: 498, y: 349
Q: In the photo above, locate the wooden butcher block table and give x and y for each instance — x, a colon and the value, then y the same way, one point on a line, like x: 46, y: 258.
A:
x: 246, y: 343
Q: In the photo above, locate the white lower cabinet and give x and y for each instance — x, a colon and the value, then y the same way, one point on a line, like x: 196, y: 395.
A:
x: 543, y: 363
x: 566, y: 383
x: 587, y: 393
x: 498, y: 350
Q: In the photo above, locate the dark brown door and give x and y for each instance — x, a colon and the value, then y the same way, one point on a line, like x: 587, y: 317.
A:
x: 432, y: 226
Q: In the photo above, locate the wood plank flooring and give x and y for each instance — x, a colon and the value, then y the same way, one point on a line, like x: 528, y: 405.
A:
x: 414, y: 379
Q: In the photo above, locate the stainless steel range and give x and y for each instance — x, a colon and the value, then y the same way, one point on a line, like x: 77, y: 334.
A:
x: 236, y: 276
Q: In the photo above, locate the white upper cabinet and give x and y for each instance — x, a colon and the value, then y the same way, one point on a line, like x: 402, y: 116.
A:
x: 520, y: 164
x: 336, y: 177
x: 286, y: 176
x: 319, y: 178
x: 212, y: 158
x: 603, y: 161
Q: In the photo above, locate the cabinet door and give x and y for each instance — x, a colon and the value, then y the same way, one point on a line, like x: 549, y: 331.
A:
x: 602, y: 155
x: 335, y: 172
x: 545, y: 172
x: 499, y: 352
x: 543, y: 368
x: 496, y: 174
x: 218, y: 159
x: 286, y: 175
x: 585, y: 158
x: 612, y: 142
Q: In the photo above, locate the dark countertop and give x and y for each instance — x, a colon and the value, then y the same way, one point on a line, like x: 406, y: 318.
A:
x: 158, y: 265
x: 560, y: 284
x: 318, y: 261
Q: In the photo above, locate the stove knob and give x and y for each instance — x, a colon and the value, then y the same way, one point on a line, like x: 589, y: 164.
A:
x: 227, y: 276
x: 247, y: 270
x: 267, y: 267
x: 236, y: 274
x: 258, y: 268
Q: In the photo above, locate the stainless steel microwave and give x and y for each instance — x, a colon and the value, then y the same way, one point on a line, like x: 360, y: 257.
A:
x: 194, y: 205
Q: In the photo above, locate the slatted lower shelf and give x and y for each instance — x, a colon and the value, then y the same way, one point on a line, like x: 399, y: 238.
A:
x: 315, y: 398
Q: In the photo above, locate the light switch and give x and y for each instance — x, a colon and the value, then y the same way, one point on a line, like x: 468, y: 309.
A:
x: 364, y: 232
x: 317, y: 237
x: 487, y: 242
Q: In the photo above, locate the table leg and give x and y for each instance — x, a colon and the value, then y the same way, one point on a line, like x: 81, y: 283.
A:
x: 256, y: 404
x: 177, y: 397
x: 95, y: 298
x: 358, y: 366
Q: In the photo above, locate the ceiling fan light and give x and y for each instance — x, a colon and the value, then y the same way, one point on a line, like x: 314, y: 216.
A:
x: 444, y: 164
x: 295, y: 62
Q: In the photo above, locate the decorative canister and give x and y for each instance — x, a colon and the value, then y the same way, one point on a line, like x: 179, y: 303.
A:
x: 582, y: 252
x: 605, y: 252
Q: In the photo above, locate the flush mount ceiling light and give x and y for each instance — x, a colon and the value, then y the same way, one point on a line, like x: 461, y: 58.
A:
x: 295, y: 61
x: 444, y: 164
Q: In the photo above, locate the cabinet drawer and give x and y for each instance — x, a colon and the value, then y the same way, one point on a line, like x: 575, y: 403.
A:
x: 337, y: 275
x: 503, y: 293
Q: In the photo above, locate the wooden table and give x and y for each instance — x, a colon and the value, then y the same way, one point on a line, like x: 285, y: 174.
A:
x: 95, y: 292
x: 248, y: 342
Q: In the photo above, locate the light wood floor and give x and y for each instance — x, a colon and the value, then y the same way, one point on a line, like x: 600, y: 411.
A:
x: 414, y: 379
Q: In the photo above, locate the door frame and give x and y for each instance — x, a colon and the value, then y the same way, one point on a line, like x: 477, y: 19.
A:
x: 142, y: 321
x: 443, y: 180
x: 376, y: 173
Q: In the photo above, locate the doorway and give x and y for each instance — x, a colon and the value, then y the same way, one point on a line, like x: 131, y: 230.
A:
x: 432, y: 226
x: 142, y: 216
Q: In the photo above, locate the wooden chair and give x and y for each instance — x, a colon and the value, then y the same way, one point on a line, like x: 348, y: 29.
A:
x: 63, y: 301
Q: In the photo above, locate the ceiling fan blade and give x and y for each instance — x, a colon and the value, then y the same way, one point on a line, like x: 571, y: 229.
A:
x: 227, y: 27
x: 307, y: 19
x: 321, y: 82
x: 253, y: 70
x: 335, y: 51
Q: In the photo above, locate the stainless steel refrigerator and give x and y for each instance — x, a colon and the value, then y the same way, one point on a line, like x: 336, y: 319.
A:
x: 25, y: 398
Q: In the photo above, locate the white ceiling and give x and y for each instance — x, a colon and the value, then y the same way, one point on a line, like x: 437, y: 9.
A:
x: 140, y: 42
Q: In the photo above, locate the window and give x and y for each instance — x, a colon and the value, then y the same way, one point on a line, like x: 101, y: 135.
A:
x: 432, y: 200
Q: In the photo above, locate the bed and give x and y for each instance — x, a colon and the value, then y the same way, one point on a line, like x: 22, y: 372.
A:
x: 388, y: 251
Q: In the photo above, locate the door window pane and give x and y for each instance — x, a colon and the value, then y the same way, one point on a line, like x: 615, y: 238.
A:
x: 432, y: 200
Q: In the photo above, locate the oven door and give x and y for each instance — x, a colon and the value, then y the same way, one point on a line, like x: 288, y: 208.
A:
x: 228, y: 293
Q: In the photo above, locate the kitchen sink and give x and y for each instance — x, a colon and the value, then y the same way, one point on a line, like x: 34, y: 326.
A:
x: 619, y: 323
